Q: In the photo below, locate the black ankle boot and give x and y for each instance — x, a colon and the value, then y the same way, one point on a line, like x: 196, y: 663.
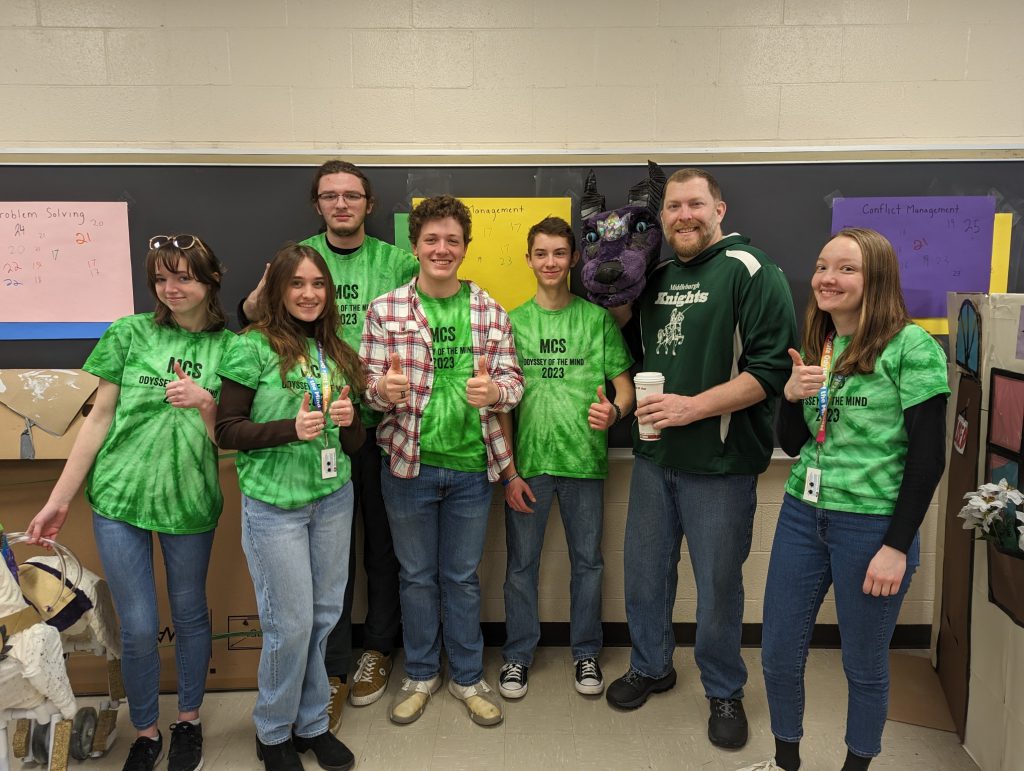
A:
x: 278, y: 757
x: 330, y: 752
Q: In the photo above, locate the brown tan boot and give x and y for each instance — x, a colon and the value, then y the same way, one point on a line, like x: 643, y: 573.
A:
x: 339, y: 693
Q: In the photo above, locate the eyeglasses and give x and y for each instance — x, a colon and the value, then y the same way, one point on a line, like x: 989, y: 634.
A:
x: 350, y: 196
x: 182, y: 241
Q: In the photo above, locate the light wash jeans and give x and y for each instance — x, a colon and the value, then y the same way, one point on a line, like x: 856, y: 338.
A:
x: 716, y: 514
x: 127, y: 556
x: 813, y: 550
x: 298, y: 559
x: 581, y: 503
x: 438, y: 522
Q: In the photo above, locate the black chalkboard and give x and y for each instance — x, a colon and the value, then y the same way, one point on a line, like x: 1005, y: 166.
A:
x: 247, y: 212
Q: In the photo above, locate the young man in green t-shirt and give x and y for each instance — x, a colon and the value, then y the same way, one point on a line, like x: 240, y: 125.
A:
x: 441, y: 364
x: 568, y: 348
x: 362, y: 268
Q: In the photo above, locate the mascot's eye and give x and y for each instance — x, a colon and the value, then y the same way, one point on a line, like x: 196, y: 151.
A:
x: 591, y: 237
x: 640, y: 226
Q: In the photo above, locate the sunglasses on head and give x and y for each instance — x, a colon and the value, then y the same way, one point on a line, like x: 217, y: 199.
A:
x: 182, y: 241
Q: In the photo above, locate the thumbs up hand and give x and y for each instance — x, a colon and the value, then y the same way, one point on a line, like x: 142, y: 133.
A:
x: 185, y: 392
x: 308, y: 423
x: 394, y: 386
x: 341, y: 409
x: 804, y: 381
x: 602, y: 415
x: 481, y: 391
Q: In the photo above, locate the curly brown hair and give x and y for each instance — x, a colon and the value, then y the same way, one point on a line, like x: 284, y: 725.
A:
x: 439, y: 207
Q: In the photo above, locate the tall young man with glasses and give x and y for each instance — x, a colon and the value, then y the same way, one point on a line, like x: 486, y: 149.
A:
x: 362, y: 268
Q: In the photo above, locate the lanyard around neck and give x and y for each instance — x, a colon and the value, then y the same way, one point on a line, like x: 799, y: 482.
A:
x: 826, y: 364
x: 319, y: 394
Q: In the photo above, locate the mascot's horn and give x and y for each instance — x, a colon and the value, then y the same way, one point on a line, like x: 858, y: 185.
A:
x: 649, y: 191
x: 592, y: 201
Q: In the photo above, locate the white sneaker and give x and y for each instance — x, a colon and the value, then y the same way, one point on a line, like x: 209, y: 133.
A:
x: 412, y: 698
x: 482, y: 702
x: 764, y: 765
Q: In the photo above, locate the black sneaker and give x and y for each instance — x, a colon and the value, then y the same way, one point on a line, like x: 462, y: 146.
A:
x: 727, y: 726
x: 145, y: 753
x: 330, y: 752
x: 186, y: 752
x: 512, y: 680
x: 589, y: 679
x: 632, y: 689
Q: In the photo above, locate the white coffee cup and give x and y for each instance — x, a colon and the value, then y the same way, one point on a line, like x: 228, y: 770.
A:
x: 647, y: 384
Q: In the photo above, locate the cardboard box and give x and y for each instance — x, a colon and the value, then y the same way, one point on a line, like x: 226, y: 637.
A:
x: 24, y: 488
x: 41, y: 411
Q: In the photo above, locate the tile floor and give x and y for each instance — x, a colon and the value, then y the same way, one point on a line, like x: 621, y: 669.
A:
x: 555, y: 728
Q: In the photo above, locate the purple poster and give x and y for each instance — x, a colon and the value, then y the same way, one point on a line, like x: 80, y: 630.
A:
x: 944, y: 243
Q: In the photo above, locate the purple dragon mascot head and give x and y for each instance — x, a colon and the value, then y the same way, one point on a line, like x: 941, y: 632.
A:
x: 619, y: 246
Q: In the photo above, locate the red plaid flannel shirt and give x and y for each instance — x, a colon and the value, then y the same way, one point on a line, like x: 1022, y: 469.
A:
x: 395, y: 322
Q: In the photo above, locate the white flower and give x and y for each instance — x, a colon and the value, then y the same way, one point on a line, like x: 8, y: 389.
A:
x: 985, y: 510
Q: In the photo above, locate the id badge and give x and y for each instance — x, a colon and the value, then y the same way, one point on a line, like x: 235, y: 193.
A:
x: 328, y: 463
x: 812, y: 484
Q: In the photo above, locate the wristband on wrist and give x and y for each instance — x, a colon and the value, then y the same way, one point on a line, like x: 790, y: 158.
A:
x: 506, y: 482
x: 618, y: 412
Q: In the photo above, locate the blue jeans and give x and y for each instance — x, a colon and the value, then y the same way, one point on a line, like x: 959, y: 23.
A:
x: 815, y: 549
x: 581, y: 502
x: 438, y: 522
x: 716, y: 514
x: 127, y: 556
x: 298, y: 559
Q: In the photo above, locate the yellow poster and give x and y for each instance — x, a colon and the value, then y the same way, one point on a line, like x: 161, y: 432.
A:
x: 496, y: 256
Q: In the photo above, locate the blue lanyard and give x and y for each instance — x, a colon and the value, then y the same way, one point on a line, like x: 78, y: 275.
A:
x: 316, y: 395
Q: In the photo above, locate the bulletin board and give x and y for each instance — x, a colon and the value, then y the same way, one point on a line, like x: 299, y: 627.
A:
x: 247, y: 212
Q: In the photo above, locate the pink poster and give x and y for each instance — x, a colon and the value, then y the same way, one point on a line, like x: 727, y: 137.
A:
x: 64, y: 262
x: 1006, y: 407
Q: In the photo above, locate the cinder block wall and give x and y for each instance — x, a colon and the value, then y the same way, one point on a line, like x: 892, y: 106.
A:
x: 413, y: 74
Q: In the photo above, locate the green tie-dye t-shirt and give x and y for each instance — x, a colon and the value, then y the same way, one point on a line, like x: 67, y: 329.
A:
x: 565, y: 355
x: 450, y: 433
x: 375, y: 268
x: 157, y: 468
x: 287, y: 476
x: 865, y: 445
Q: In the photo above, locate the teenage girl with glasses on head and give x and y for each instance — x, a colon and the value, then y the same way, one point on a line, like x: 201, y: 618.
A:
x: 147, y: 455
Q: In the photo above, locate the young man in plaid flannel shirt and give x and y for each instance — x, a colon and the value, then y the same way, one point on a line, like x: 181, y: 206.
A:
x: 440, y: 362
